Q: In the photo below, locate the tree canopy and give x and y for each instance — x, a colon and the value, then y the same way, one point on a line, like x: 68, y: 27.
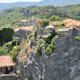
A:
x: 6, y: 35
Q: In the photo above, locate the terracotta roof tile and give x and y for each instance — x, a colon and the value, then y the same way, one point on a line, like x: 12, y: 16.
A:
x: 28, y: 28
x: 6, y: 61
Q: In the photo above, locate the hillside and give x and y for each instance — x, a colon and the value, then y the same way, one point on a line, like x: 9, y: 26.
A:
x: 14, y: 15
x: 41, y: 3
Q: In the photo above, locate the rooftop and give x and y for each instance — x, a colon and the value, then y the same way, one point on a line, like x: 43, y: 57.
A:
x: 6, y: 61
x: 24, y: 21
x: 28, y: 28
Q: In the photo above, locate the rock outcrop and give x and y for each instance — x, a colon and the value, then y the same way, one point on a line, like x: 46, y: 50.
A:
x: 8, y: 77
x: 22, y: 33
x: 62, y: 64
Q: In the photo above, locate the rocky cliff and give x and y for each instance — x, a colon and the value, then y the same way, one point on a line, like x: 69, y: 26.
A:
x: 62, y: 64
x: 22, y: 33
x: 8, y: 77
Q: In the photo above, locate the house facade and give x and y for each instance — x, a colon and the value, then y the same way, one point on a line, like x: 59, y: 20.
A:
x: 6, y: 64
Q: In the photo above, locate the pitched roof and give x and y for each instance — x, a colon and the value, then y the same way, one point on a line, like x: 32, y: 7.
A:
x: 6, y: 61
x: 27, y: 28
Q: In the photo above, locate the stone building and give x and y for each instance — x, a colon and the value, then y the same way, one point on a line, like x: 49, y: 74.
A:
x: 22, y: 22
x: 22, y: 33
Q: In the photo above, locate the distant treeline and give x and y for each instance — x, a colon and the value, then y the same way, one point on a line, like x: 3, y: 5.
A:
x: 14, y: 15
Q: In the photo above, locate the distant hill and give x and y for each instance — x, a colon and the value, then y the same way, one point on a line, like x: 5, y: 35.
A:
x: 14, y: 15
x: 41, y: 3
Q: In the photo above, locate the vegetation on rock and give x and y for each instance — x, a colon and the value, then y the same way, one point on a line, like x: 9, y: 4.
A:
x: 8, y: 47
x: 55, y: 18
x: 44, y: 22
x: 77, y: 38
x: 38, y: 47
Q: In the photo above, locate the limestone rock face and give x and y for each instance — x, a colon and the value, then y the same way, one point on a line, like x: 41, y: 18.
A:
x: 62, y: 64
x: 8, y: 77
x: 22, y: 34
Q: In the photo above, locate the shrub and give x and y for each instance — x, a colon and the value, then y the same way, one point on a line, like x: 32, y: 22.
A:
x: 35, y: 33
x: 6, y: 48
x: 63, y: 24
x: 48, y: 51
x: 15, y: 42
x: 39, y: 48
x: 14, y: 52
x: 49, y: 38
x: 44, y: 22
x: 49, y: 43
x: 54, y: 18
x: 59, y: 27
x: 52, y: 47
x: 77, y: 38
x: 30, y: 77
x: 30, y: 35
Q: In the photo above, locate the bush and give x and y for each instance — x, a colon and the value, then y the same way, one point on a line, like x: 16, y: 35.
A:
x: 30, y: 77
x: 63, y: 24
x: 44, y: 22
x: 6, y: 48
x: 49, y: 38
x: 54, y: 18
x: 39, y: 48
x: 77, y: 38
x: 52, y: 47
x: 49, y: 43
x: 15, y: 42
x: 30, y: 35
x: 14, y: 52
x: 48, y: 51
x: 35, y: 33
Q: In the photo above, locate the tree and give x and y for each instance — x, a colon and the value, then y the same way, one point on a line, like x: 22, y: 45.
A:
x: 54, y: 18
x: 39, y: 48
x: 14, y: 52
x: 6, y: 35
x: 44, y: 22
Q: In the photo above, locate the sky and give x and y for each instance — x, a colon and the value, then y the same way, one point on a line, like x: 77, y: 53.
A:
x: 10, y: 1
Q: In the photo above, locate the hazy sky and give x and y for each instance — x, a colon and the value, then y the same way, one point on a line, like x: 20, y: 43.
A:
x: 8, y: 1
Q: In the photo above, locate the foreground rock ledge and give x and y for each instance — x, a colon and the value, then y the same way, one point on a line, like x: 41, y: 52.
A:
x: 63, y: 64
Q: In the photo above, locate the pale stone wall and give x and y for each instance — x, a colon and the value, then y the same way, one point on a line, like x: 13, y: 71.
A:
x: 22, y: 34
x: 8, y: 77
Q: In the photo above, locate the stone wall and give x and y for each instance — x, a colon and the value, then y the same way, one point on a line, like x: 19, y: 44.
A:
x: 8, y: 77
x: 22, y: 34
x: 63, y: 64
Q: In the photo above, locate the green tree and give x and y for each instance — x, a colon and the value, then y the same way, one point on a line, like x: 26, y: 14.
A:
x: 14, y: 52
x: 54, y: 18
x: 6, y: 35
x: 44, y: 22
x: 39, y: 48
